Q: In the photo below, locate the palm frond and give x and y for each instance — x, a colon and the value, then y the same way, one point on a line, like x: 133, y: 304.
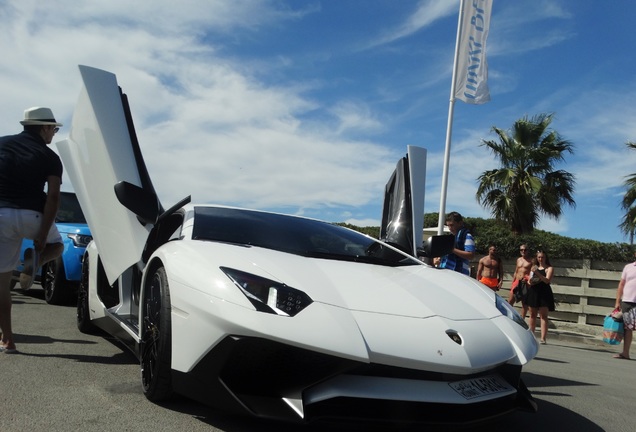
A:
x: 526, y: 185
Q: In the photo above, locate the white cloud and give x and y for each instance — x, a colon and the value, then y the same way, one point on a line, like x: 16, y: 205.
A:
x: 426, y: 13
x: 311, y: 125
x: 354, y: 116
x: 206, y: 126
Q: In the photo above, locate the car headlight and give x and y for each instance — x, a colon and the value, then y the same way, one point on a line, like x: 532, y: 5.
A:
x: 80, y: 240
x: 507, y: 310
x: 267, y: 295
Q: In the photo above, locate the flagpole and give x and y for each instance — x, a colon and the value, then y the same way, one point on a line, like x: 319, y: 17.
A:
x: 449, y: 127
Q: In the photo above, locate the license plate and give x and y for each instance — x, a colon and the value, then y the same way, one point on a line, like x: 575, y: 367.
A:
x: 482, y: 386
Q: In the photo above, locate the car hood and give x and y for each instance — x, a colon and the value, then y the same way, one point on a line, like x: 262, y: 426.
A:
x: 73, y: 228
x: 422, y: 308
x: 359, y: 304
x: 416, y: 290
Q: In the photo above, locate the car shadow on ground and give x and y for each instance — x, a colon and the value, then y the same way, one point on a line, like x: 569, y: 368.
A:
x: 550, y: 416
x: 35, y: 296
x: 121, y: 358
x: 37, y: 292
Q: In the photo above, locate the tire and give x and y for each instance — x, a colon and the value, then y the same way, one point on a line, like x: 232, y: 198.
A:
x: 57, y: 290
x: 84, y: 323
x: 155, y: 347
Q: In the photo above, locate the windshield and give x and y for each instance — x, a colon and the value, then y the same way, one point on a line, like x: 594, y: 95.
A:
x: 70, y: 210
x: 294, y: 235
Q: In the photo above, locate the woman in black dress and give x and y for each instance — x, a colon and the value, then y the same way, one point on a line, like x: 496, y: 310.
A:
x: 540, y: 297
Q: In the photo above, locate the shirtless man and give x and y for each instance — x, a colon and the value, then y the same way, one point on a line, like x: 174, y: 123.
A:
x: 524, y: 265
x: 490, y: 269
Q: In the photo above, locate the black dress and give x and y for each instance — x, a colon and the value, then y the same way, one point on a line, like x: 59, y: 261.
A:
x: 540, y: 295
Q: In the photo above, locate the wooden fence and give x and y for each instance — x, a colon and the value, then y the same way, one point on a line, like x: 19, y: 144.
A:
x: 584, y: 290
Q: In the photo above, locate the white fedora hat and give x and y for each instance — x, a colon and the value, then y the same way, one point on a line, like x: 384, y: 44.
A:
x: 39, y: 116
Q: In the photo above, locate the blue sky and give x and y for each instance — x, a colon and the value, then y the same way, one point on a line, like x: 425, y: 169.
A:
x: 305, y: 106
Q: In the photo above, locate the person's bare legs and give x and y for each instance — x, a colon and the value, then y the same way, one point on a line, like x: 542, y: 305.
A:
x: 511, y: 297
x: 543, y: 313
x: 532, y: 322
x: 51, y: 251
x: 627, y: 342
x: 511, y: 294
x: 5, y: 310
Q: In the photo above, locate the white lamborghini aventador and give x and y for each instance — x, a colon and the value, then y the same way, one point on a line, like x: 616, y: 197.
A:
x: 278, y: 316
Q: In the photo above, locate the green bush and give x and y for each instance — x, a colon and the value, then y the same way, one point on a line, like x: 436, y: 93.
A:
x: 370, y: 231
x: 489, y: 231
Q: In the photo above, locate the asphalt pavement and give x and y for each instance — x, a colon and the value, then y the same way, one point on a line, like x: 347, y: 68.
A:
x: 63, y: 380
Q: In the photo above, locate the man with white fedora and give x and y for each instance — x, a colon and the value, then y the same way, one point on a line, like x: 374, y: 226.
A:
x: 27, y: 164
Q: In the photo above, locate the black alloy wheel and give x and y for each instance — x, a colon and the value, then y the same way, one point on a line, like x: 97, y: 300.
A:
x: 56, y: 287
x: 156, y: 338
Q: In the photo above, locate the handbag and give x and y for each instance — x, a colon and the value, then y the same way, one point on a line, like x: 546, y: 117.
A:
x: 521, y: 291
x: 617, y: 314
x: 534, y: 278
x: 612, y: 331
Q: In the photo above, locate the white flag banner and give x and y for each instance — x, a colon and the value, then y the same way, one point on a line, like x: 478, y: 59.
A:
x: 471, y: 81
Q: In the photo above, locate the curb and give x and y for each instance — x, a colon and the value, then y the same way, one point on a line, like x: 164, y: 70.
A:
x: 576, y: 338
x: 583, y: 335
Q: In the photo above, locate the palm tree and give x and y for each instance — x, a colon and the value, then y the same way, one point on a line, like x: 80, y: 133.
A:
x: 628, y: 225
x: 526, y: 185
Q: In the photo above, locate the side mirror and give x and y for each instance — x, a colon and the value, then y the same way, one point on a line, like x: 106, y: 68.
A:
x: 145, y: 205
x: 437, y: 246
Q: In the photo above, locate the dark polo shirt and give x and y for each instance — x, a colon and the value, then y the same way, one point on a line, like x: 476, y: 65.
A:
x: 25, y: 164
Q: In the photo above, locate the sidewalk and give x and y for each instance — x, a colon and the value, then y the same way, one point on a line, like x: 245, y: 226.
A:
x: 582, y: 335
x: 564, y: 335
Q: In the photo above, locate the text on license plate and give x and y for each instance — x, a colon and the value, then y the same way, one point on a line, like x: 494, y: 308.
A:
x: 482, y: 386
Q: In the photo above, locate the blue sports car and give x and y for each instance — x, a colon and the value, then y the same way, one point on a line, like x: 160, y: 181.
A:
x: 59, y: 278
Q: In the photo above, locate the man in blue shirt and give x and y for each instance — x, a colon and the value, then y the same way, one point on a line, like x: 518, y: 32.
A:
x: 464, y: 250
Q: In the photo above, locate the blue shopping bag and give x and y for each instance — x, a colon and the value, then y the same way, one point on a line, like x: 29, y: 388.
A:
x: 612, y: 331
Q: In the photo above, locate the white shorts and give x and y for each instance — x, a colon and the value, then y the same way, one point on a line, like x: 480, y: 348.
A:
x: 15, y: 225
